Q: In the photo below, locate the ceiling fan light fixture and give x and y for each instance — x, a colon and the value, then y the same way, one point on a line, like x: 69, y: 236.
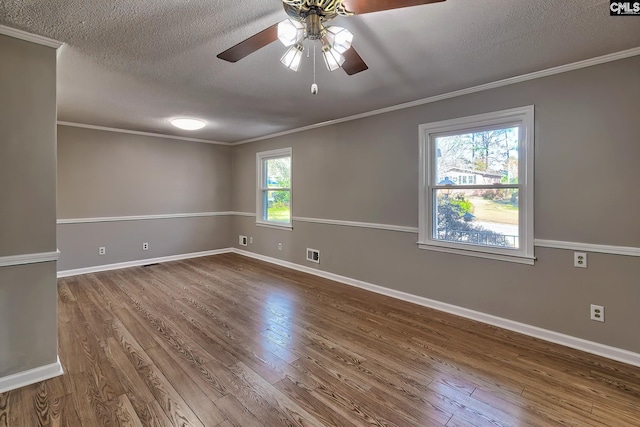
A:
x: 186, y: 123
x: 292, y: 57
x: 332, y: 58
x: 339, y: 38
x: 290, y: 32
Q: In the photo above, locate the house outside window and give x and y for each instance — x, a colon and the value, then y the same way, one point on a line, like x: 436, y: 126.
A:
x: 273, y: 199
x: 476, y: 185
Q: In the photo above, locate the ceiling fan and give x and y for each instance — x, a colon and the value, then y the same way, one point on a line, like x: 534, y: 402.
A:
x: 308, y: 19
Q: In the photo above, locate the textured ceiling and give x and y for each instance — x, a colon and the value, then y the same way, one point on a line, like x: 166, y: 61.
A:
x: 134, y: 64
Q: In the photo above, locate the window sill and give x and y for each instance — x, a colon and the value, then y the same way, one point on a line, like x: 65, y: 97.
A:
x: 478, y: 254
x: 287, y: 227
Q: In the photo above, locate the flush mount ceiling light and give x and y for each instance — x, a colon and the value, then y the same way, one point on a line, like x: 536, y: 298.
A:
x: 307, y: 19
x: 187, y: 123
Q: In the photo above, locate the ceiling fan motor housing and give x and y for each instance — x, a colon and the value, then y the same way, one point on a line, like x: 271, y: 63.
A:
x: 325, y: 9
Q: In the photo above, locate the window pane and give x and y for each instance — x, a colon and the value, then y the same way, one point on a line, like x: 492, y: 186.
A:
x: 278, y: 206
x: 486, y: 217
x: 489, y: 156
x: 278, y: 172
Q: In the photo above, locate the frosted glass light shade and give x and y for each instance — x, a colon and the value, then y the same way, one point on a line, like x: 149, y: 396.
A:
x: 292, y: 57
x: 339, y: 38
x: 332, y: 58
x: 290, y: 32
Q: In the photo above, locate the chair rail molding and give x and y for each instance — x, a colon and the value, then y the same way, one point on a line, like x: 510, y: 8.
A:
x: 544, y: 243
x: 142, y: 217
x: 33, y: 258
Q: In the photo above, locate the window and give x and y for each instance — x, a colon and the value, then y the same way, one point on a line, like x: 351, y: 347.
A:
x: 273, y: 202
x: 489, y: 211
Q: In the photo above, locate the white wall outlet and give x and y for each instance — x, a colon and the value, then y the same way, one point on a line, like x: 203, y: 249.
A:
x: 145, y: 246
x: 242, y: 240
x: 251, y: 239
x: 313, y: 255
x: 279, y: 246
x: 102, y: 250
x: 580, y: 259
x: 597, y: 313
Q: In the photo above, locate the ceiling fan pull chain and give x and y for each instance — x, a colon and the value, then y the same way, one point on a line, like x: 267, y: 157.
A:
x: 314, y: 86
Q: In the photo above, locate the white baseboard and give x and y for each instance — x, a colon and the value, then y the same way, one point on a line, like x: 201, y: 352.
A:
x: 603, y: 350
x: 139, y: 262
x: 31, y: 376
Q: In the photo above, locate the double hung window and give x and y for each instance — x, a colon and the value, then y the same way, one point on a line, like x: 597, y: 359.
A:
x: 476, y: 185
x: 274, y: 188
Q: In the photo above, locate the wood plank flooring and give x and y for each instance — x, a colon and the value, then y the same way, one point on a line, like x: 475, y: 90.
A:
x: 230, y: 341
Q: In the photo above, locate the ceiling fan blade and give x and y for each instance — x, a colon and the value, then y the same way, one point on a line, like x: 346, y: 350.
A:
x: 250, y: 45
x: 353, y: 63
x: 359, y: 7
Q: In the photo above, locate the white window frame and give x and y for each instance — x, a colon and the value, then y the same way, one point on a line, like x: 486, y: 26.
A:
x: 524, y: 118
x: 262, y: 186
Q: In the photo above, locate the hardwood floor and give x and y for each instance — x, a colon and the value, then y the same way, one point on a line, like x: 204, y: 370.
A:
x: 229, y: 341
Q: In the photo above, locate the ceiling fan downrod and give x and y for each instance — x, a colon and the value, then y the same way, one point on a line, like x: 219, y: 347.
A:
x: 314, y: 25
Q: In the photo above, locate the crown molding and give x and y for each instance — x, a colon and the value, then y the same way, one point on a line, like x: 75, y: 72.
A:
x: 33, y: 38
x: 487, y: 86
x: 135, y: 132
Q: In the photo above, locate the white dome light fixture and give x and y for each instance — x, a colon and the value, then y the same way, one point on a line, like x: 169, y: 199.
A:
x: 186, y: 123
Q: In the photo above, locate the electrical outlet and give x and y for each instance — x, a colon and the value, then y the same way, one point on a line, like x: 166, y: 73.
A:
x: 279, y: 246
x: 250, y: 239
x: 102, y: 250
x: 242, y: 240
x: 145, y: 246
x: 580, y: 259
x: 597, y: 313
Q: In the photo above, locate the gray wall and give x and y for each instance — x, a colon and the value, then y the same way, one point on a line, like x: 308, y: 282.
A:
x: 28, y: 204
x: 110, y: 174
x: 586, y: 190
